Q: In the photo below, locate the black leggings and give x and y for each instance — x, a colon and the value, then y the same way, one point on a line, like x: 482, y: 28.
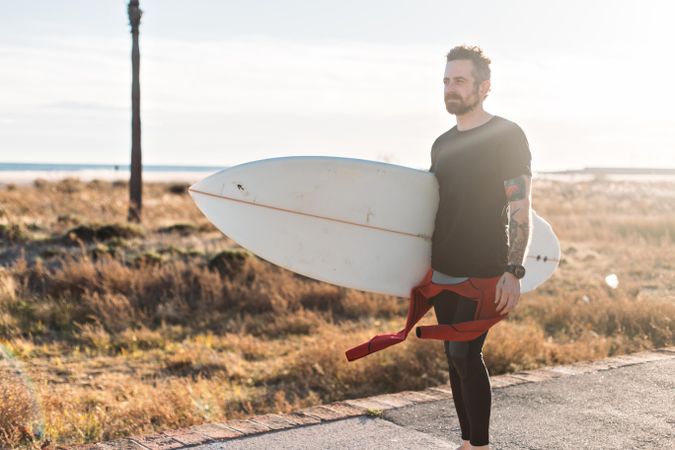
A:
x: 469, y: 379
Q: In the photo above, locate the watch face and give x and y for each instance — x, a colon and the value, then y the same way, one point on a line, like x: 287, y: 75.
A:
x: 519, y: 271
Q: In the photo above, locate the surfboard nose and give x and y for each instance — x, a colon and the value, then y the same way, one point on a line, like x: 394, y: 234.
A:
x: 213, y: 184
x: 195, y: 187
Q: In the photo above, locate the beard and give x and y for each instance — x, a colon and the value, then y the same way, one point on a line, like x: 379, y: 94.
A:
x: 457, y: 105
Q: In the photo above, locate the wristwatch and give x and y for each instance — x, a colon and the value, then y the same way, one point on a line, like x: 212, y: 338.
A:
x: 516, y: 270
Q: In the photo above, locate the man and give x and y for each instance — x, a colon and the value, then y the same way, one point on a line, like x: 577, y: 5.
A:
x: 482, y: 225
x: 480, y: 237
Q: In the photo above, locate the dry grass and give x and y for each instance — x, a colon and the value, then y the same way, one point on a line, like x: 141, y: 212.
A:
x: 117, y: 330
x: 17, y: 408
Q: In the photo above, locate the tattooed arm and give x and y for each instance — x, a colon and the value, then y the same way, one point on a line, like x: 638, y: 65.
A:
x: 518, y: 194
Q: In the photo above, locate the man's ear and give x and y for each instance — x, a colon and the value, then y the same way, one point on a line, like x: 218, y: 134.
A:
x: 484, y: 88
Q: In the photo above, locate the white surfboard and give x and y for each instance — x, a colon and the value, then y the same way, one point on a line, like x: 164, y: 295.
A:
x: 360, y: 224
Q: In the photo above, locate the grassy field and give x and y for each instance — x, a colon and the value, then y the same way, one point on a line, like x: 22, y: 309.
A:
x: 108, y: 330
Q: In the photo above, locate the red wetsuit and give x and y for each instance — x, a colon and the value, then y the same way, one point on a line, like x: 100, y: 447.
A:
x: 481, y: 290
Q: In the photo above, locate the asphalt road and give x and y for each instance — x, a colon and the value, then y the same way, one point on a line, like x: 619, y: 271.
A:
x: 631, y: 407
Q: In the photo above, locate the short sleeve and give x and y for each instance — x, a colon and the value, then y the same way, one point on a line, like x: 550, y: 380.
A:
x: 434, y: 147
x: 514, y: 155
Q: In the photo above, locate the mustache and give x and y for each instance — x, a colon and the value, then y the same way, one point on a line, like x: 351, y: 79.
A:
x: 452, y: 97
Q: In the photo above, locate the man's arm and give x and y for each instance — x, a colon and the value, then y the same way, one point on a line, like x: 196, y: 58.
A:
x: 518, y: 194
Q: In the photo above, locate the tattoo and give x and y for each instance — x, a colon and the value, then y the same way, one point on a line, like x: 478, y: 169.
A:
x: 519, y: 234
x: 515, y: 188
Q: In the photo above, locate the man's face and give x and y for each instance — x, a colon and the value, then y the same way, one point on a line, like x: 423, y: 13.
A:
x: 461, y: 93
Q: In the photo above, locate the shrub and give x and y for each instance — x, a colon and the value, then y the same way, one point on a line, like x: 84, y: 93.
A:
x: 70, y: 185
x: 228, y: 262
x: 178, y: 189
x: 184, y: 229
x: 91, y: 233
x: 15, y: 233
x: 40, y: 184
x: 148, y: 259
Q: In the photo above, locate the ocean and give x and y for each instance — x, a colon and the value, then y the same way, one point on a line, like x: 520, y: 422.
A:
x: 25, y: 173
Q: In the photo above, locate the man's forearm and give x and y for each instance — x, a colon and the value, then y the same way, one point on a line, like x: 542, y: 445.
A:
x: 519, y: 234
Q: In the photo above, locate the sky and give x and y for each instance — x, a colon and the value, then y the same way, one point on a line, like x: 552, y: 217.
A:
x: 225, y: 82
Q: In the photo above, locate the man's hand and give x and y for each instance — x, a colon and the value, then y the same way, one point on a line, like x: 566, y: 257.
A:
x: 507, y: 293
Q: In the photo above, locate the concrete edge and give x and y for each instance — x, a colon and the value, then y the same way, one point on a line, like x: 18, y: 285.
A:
x: 368, y: 406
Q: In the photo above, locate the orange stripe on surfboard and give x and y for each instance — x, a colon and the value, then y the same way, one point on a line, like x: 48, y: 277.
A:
x: 316, y: 216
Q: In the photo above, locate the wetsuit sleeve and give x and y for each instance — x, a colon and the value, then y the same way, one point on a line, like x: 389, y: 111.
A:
x: 515, y: 158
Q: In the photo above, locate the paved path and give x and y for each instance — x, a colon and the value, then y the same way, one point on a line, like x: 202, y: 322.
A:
x: 624, y: 402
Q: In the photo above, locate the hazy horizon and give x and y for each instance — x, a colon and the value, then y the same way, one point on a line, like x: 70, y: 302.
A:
x: 225, y: 83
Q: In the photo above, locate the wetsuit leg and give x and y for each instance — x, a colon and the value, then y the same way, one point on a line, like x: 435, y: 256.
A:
x: 469, y: 379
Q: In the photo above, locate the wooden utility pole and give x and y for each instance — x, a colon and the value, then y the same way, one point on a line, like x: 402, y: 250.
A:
x: 136, y: 181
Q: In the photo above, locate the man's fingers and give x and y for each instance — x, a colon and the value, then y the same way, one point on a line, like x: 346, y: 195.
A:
x: 509, y: 305
x: 513, y: 301
x: 503, y: 300
x: 503, y: 307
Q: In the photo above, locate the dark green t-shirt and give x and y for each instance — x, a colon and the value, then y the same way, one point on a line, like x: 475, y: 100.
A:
x: 471, y: 233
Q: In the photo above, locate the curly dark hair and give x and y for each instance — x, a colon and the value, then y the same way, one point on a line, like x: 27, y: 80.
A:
x: 481, y: 63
